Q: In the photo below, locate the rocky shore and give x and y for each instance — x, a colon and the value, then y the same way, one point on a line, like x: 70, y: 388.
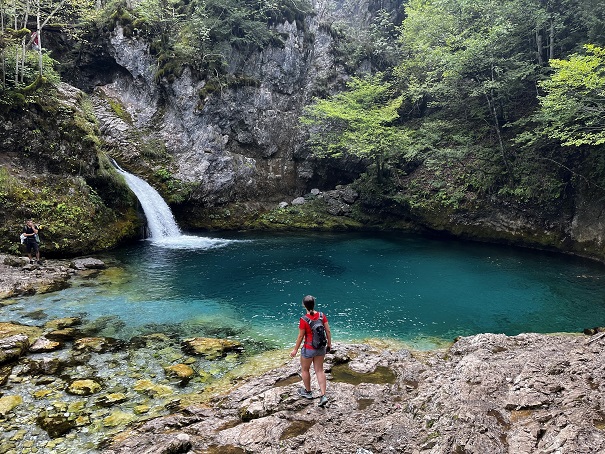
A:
x: 65, y: 390
x: 486, y: 394
x: 19, y: 277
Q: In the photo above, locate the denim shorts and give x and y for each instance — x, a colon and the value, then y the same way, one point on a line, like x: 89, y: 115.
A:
x: 310, y: 353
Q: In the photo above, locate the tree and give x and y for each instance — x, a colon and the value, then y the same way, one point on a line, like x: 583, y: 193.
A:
x: 572, y: 109
x: 359, y: 122
x: 16, y: 41
x: 469, y: 59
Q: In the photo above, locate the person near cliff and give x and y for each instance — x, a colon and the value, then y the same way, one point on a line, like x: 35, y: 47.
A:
x: 310, y: 355
x: 30, y: 231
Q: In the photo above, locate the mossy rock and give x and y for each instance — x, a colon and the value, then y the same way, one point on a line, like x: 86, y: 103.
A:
x: 153, y: 389
x: 181, y: 372
x: 98, y: 344
x: 210, y: 348
x: 84, y: 387
x: 8, y: 403
x: 60, y: 323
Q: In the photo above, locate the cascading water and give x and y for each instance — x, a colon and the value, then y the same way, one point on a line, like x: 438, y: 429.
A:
x: 163, y: 228
x: 160, y: 220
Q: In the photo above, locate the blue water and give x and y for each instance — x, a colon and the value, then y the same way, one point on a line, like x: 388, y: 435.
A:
x: 404, y: 287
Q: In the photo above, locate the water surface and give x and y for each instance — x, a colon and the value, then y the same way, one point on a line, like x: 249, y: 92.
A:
x: 409, y: 288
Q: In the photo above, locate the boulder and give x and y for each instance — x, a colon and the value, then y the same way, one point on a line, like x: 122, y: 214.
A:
x: 43, y: 366
x: 298, y: 201
x: 97, y: 344
x: 44, y: 345
x: 112, y: 399
x: 55, y: 424
x: 5, y: 372
x: 65, y: 334
x: 210, y: 348
x: 13, y: 347
x: 14, y: 261
x: 7, y: 403
x: 83, y: 387
x: 10, y: 329
x: 181, y: 372
x: 88, y: 263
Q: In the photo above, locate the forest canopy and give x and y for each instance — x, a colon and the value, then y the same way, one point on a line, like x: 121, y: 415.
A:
x: 497, y: 90
x: 492, y: 95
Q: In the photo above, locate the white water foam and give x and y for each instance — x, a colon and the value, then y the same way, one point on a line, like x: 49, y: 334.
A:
x: 163, y: 229
x: 192, y: 242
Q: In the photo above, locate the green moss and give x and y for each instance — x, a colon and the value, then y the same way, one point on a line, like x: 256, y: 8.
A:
x: 119, y: 110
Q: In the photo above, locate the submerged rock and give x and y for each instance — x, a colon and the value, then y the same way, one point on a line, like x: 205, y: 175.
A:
x: 153, y: 389
x: 55, y: 424
x: 83, y: 387
x: 98, y: 344
x: 13, y: 347
x: 209, y: 347
x: 61, y: 323
x: 182, y: 372
x: 7, y: 403
x: 111, y: 399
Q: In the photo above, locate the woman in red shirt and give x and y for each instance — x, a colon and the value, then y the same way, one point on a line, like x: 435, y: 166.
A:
x: 310, y: 355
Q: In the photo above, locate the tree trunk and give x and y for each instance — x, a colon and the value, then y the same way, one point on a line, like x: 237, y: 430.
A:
x: 490, y: 98
x: 24, y: 42
x: 39, y: 30
x: 16, y: 48
x: 551, y: 40
x: 2, y: 59
x: 539, y: 49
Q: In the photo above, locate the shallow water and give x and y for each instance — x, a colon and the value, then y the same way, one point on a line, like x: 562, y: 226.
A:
x: 409, y: 288
x: 391, y: 288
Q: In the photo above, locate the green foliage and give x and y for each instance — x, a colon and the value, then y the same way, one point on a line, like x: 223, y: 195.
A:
x: 178, y: 191
x: 72, y: 217
x: 376, y: 44
x: 359, y: 122
x: 573, y: 108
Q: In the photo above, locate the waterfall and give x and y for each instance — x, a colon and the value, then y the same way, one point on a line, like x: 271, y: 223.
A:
x: 160, y: 220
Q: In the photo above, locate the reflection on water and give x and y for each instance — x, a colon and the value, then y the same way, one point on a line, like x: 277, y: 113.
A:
x: 408, y: 288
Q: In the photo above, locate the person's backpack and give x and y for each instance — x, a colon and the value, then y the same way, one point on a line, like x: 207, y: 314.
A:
x: 320, y: 340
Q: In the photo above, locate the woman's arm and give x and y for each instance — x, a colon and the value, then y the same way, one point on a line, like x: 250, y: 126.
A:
x: 299, y: 339
x: 328, y: 335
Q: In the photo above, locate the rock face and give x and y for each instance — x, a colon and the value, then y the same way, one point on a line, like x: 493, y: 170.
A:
x: 239, y: 143
x: 488, y: 394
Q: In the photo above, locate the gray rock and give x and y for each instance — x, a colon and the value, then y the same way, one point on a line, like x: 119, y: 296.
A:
x: 16, y: 261
x: 487, y: 393
x: 298, y: 201
x: 12, y: 347
x: 88, y: 263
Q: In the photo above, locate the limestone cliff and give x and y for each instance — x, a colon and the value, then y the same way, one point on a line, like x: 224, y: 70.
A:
x: 237, y: 140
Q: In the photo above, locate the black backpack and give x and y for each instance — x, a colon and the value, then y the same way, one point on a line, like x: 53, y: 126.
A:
x: 320, y: 340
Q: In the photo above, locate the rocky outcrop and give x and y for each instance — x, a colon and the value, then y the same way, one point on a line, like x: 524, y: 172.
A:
x: 487, y: 393
x: 238, y: 142
x: 53, y: 170
x: 19, y: 277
